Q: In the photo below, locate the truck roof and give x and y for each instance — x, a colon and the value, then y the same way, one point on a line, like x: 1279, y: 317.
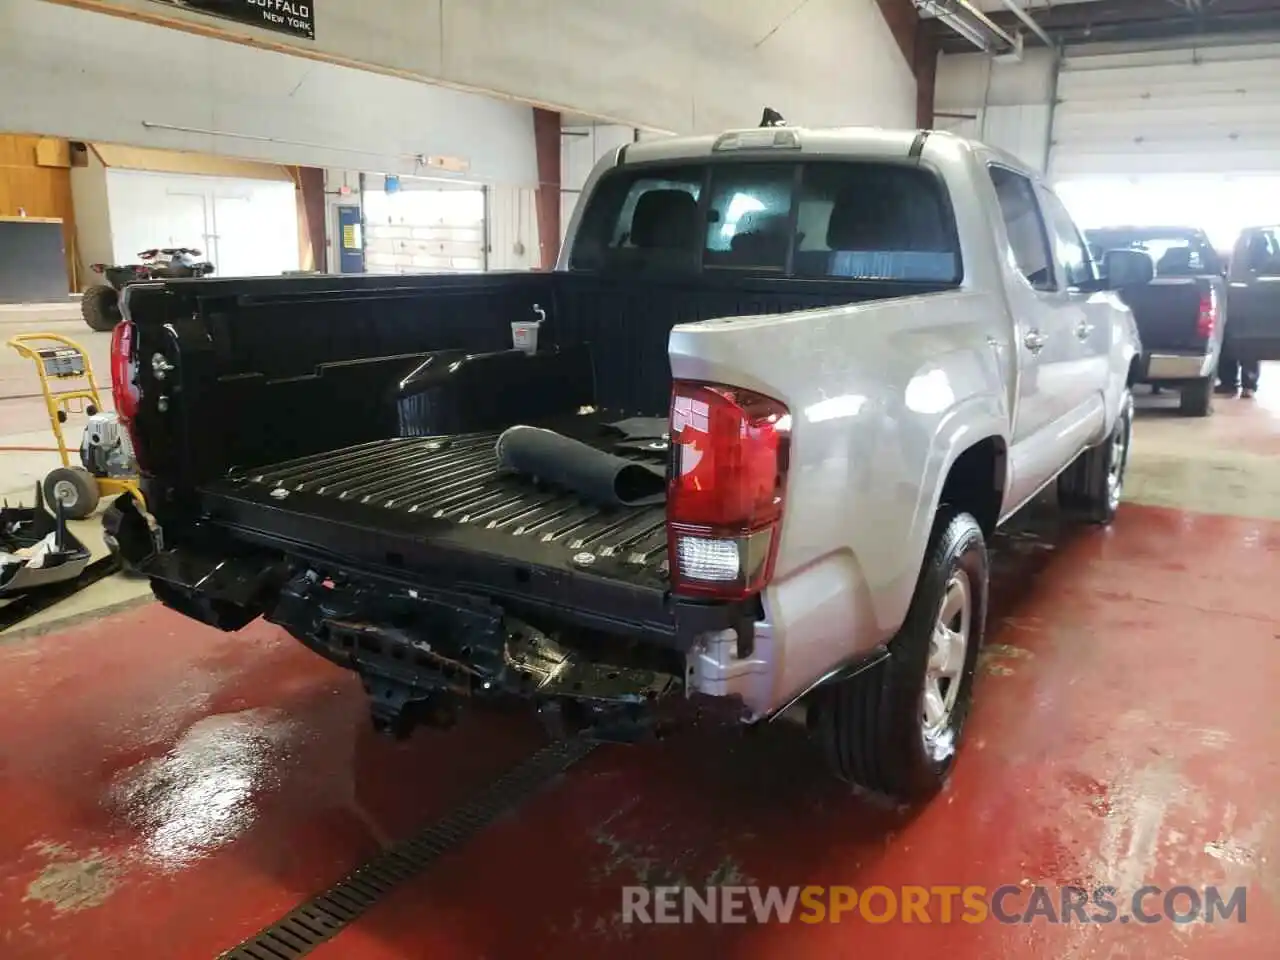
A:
x: 862, y: 142
x: 1147, y: 229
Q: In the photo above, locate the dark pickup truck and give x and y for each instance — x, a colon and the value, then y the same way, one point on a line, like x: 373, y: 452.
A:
x: 1254, y: 295
x: 1181, y: 314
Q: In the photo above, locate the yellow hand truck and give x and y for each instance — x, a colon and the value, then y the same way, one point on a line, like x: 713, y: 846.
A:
x: 59, y: 361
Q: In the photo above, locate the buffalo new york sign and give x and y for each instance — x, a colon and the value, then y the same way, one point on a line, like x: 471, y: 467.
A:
x: 286, y: 16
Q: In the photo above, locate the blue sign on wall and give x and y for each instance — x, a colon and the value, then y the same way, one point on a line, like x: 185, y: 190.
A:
x: 392, y: 184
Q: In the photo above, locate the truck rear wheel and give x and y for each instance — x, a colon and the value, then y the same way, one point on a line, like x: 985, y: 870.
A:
x: 1092, y: 485
x: 895, y: 728
x: 100, y: 307
x: 1196, y: 398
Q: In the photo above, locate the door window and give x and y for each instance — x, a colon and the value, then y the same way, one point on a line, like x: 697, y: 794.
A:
x: 1263, y: 253
x: 1028, y: 242
x: 1070, y: 252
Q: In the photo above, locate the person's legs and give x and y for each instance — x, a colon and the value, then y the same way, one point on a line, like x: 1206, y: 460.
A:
x: 1228, y: 372
x: 1249, y: 370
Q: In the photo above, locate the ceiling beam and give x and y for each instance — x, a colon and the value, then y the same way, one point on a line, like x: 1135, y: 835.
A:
x: 1122, y: 20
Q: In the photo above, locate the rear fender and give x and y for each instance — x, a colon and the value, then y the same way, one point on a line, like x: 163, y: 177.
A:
x: 967, y: 424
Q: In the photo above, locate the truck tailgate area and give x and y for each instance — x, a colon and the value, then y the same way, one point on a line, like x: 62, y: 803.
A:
x: 441, y: 506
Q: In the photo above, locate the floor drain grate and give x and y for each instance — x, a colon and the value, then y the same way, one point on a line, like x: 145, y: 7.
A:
x: 310, y: 924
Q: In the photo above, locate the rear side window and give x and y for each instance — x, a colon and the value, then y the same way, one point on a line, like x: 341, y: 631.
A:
x: 1028, y: 240
x: 822, y: 219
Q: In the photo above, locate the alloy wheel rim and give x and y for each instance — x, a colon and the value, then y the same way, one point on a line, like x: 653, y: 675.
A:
x: 1119, y: 457
x: 65, y: 492
x: 948, y: 649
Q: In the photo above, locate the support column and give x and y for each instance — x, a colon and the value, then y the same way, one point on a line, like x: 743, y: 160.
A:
x: 918, y: 45
x: 925, y: 67
x: 546, y: 138
x: 312, y: 242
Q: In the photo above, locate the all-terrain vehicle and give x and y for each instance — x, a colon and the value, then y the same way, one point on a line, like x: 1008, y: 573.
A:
x: 100, y: 305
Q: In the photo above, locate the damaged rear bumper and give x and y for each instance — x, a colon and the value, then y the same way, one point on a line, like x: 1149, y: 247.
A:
x: 422, y: 649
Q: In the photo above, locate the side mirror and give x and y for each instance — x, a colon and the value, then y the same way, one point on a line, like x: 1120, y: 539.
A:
x: 1127, y: 268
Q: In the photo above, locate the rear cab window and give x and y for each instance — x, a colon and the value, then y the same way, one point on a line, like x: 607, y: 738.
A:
x: 819, y: 219
x: 1173, y: 252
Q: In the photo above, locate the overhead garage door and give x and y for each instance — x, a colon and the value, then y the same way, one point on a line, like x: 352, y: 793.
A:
x: 1203, y: 111
x: 424, y: 226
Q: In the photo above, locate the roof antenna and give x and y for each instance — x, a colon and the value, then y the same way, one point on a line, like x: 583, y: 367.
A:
x: 772, y: 118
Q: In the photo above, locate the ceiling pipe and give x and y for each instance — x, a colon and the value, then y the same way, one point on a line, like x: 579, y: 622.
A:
x: 1029, y: 22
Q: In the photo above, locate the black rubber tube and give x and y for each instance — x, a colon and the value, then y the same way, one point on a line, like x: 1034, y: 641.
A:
x: 593, y: 474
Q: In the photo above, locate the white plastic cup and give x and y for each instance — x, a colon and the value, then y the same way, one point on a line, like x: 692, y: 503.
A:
x: 524, y: 335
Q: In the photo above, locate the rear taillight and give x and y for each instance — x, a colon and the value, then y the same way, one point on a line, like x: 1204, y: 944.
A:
x: 1208, y: 317
x: 123, y: 391
x: 725, y: 499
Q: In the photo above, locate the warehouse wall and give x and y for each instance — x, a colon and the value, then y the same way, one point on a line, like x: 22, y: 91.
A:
x: 513, y: 228
x: 90, y: 77
x: 666, y: 64
x: 1008, y: 103
x: 34, y: 184
x: 93, y: 216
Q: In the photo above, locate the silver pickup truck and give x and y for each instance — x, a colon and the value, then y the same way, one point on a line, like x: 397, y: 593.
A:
x: 846, y: 356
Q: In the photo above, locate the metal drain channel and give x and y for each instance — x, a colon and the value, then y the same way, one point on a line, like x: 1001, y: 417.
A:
x: 324, y: 916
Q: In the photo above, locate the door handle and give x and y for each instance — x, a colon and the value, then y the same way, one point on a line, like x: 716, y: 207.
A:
x: 1034, y: 341
x: 1083, y: 329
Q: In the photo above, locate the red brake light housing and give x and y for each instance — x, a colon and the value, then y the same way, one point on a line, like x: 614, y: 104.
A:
x: 1208, y: 317
x: 730, y: 455
x: 124, y: 392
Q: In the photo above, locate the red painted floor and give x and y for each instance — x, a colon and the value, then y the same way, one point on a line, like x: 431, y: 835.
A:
x: 168, y: 790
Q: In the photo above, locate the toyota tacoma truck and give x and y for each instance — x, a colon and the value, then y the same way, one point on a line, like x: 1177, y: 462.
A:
x: 1181, y: 315
x: 845, y: 357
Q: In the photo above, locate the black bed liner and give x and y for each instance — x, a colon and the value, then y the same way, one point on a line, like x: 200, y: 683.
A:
x: 447, y: 491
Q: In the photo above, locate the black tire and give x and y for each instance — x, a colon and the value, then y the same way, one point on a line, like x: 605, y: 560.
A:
x: 1196, y: 399
x: 1085, y: 487
x: 75, y: 487
x: 100, y: 307
x: 872, y: 726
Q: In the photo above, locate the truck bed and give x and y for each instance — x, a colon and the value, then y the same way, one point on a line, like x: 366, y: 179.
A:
x: 419, y: 502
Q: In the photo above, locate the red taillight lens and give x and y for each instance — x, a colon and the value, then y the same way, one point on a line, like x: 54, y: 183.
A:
x: 123, y: 392
x: 725, y: 499
x: 1208, y: 318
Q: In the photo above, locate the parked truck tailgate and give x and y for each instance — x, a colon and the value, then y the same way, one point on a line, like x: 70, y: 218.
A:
x: 1167, y: 312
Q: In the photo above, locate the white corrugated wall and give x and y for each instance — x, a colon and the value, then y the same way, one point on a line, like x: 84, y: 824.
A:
x: 1191, y: 111
x: 513, y: 228
x: 1002, y: 103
